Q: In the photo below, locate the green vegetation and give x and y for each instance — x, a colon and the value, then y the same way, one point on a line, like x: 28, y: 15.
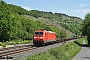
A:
x: 64, y: 52
x: 86, y: 27
x: 14, y: 26
x: 71, y: 23
x: 16, y: 23
x: 13, y: 42
x: 3, y: 45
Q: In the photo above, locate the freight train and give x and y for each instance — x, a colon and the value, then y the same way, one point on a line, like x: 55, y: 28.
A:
x: 43, y: 37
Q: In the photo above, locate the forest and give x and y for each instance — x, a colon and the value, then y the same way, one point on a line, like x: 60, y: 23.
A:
x: 19, y: 23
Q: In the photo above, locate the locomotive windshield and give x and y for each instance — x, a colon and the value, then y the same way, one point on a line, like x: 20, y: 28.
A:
x: 38, y: 33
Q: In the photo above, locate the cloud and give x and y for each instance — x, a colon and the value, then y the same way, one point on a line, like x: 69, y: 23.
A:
x: 77, y: 10
x: 27, y: 8
x: 82, y: 5
x: 84, y: 11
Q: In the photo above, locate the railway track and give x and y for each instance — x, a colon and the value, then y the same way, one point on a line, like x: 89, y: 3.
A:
x: 10, y: 51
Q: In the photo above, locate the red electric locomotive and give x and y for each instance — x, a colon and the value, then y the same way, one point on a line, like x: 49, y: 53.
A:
x: 43, y: 37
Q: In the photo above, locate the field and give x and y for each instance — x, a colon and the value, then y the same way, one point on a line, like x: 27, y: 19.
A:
x: 64, y: 52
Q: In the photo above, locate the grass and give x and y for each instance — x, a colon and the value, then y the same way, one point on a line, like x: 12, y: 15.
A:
x: 42, y: 56
x: 87, y: 43
x: 13, y: 42
x: 64, y: 52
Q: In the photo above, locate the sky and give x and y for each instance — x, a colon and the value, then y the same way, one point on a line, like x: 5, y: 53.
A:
x: 77, y: 8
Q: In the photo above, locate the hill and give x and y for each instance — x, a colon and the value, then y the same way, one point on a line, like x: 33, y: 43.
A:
x: 61, y: 21
x: 18, y: 23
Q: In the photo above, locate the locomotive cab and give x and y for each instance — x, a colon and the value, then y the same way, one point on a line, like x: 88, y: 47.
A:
x: 38, y: 37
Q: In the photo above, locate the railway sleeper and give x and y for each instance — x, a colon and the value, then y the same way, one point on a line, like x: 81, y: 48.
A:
x: 5, y: 55
x: 25, y: 50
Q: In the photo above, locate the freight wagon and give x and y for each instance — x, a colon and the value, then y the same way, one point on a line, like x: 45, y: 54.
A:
x: 43, y: 37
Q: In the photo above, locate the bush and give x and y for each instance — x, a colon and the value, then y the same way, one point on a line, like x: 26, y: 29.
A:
x: 0, y: 43
x: 3, y: 45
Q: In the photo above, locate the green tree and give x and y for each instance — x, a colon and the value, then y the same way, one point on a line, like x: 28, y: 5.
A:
x: 86, y: 27
x: 62, y: 34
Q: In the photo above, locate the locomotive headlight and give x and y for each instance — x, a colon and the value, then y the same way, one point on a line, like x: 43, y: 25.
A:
x: 40, y: 37
x: 35, y: 37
